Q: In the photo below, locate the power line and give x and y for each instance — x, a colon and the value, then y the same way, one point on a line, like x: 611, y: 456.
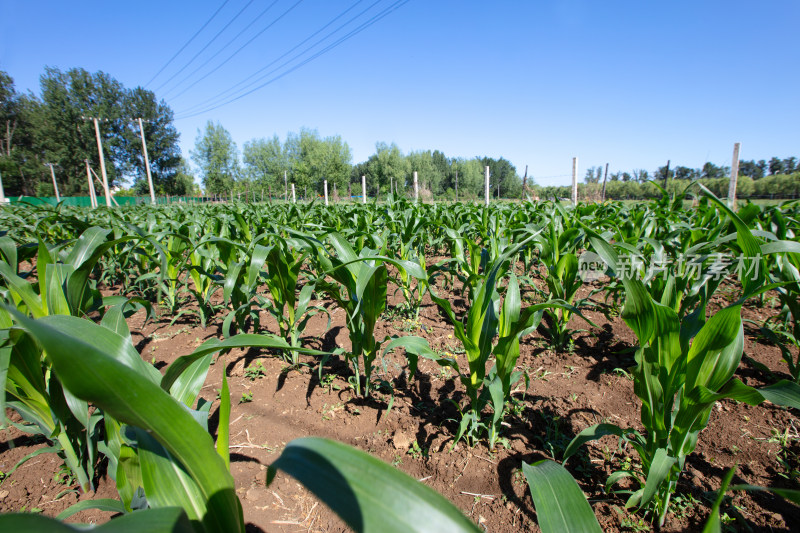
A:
x: 219, y: 96
x: 240, y: 48
x: 187, y: 42
x: 397, y: 5
x: 209, y: 43
x: 226, y: 44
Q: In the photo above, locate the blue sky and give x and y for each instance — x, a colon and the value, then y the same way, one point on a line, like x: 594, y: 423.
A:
x: 628, y: 83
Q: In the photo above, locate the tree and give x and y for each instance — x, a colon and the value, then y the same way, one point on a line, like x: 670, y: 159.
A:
x: 428, y: 174
x: 502, y: 172
x: 775, y: 166
x: 313, y: 159
x: 593, y: 175
x: 167, y: 167
x: 265, y: 161
x: 57, y: 129
x: 216, y: 156
x: 789, y: 165
x: 712, y: 171
x: 685, y: 173
x: 20, y: 158
x: 470, y: 177
x: 67, y: 133
x: 751, y: 169
x: 659, y: 174
x: 385, y: 165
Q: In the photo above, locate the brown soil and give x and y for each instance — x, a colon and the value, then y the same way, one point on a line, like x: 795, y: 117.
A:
x: 567, y: 393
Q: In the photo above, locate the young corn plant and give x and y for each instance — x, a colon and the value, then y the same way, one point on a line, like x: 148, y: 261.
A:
x: 683, y: 367
x: 485, y: 320
x: 290, y: 309
x: 359, y: 287
x: 165, y: 449
x: 26, y: 379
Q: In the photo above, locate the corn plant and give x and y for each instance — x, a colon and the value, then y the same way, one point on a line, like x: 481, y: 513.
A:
x: 684, y: 365
x: 486, y: 318
x: 191, y: 486
x: 359, y: 288
x: 290, y: 309
x: 62, y: 288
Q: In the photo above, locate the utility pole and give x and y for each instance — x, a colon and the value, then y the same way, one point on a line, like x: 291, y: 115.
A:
x: 2, y: 192
x: 605, y: 176
x: 524, y: 184
x: 102, y: 160
x: 294, y: 196
x: 285, y: 187
x: 416, y: 188
x: 147, y: 163
x: 456, y: 185
x: 666, y: 175
x: 55, y: 185
x: 363, y: 189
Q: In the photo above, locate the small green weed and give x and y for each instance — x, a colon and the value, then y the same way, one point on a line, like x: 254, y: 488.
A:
x: 255, y: 371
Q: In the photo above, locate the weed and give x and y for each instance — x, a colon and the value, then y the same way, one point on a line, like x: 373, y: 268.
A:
x: 683, y: 504
x: 416, y: 451
x: 247, y: 396
x: 255, y: 371
x: 329, y: 411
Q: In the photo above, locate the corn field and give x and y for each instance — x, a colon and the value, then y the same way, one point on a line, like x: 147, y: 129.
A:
x: 502, y: 281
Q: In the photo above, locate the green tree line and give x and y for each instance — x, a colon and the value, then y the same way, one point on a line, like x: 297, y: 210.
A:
x: 778, y: 186
x: 56, y: 128
x: 307, y: 159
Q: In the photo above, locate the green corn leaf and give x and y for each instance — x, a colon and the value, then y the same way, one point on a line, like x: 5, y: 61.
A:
x: 369, y: 495
x: 165, y: 482
x: 8, y: 249
x: 244, y: 340
x: 589, y: 434
x: 86, y: 245
x: 716, y: 351
x: 187, y: 386
x: 793, y: 495
x: 223, y: 430
x: 660, y: 467
x: 168, y: 520
x: 749, y: 245
x: 104, y: 340
x: 784, y: 392
x: 415, y: 347
x: 55, y: 299
x: 777, y: 247
x: 5, y: 360
x: 713, y: 525
x: 102, y: 504
x: 128, y: 396
x: 561, y: 506
x: 22, y: 291
x: 231, y: 281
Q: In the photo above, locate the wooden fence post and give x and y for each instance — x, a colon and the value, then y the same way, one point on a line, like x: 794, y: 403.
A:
x: 574, y: 181
x: 734, y: 177
x: 486, y: 185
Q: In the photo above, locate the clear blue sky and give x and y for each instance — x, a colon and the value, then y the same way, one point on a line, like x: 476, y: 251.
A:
x: 631, y: 83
